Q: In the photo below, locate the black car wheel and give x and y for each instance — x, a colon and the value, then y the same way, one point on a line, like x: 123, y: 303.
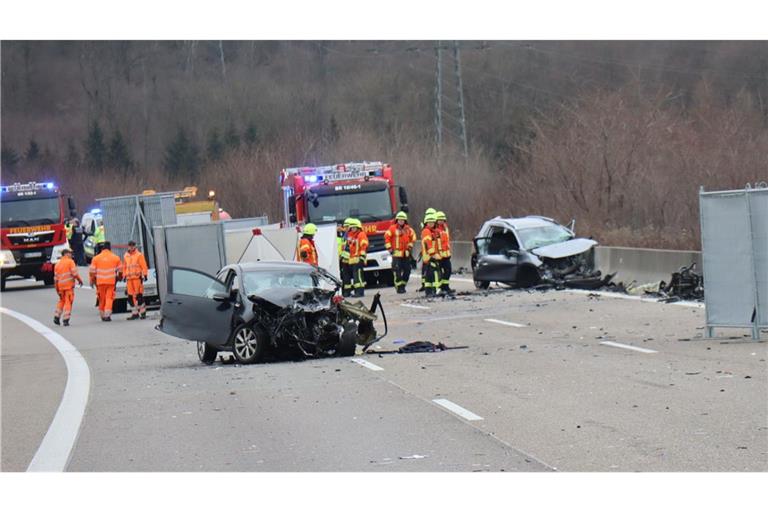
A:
x: 482, y: 285
x: 348, y: 340
x: 248, y: 344
x: 206, y: 352
x: 48, y: 279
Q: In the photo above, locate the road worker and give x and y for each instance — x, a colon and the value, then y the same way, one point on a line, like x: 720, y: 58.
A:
x: 399, y: 240
x: 105, y: 271
x: 430, y: 257
x: 444, y: 248
x: 64, y: 277
x: 358, y: 249
x: 345, y: 269
x: 307, y: 252
x: 135, y: 273
x: 69, y: 227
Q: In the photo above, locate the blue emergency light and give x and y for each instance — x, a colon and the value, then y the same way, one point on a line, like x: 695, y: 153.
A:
x: 95, y: 210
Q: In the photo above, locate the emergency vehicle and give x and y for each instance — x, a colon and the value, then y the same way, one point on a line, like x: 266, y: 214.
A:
x: 331, y: 193
x: 32, y: 229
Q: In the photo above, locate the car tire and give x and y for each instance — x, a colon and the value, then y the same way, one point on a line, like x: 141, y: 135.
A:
x: 527, y: 277
x: 482, y: 285
x: 48, y: 280
x: 248, y: 344
x: 347, y: 340
x: 206, y: 353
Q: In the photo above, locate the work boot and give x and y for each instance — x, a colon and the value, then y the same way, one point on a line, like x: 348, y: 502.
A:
x: 143, y: 316
x: 108, y: 319
x: 56, y: 320
x: 345, y: 293
x: 401, y: 289
x: 133, y: 317
x: 66, y: 323
x: 359, y: 292
x: 430, y: 292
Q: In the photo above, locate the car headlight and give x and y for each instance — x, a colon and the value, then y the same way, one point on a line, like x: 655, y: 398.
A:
x: 6, y: 259
x: 56, y: 253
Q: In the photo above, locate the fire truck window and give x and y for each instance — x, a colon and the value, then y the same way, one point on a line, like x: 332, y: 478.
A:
x: 366, y: 206
x: 30, y: 212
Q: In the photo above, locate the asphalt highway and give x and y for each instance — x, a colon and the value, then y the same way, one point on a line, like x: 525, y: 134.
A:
x: 550, y: 381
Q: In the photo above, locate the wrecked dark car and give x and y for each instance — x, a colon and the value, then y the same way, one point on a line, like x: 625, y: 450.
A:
x: 533, y: 250
x: 252, y: 309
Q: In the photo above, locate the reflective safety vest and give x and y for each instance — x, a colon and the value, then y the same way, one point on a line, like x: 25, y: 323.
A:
x: 134, y: 265
x: 358, y: 246
x: 69, y: 229
x: 65, y: 274
x: 98, y: 235
x: 105, y: 267
x: 307, y: 251
x: 429, y: 245
x: 398, y: 240
x: 444, y: 243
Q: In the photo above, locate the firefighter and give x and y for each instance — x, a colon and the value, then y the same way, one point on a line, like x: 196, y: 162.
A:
x: 345, y: 269
x: 64, y: 276
x: 358, y: 248
x: 69, y: 228
x: 135, y: 273
x: 105, y: 271
x: 307, y: 252
x: 399, y: 240
x: 430, y: 257
x: 444, y: 248
x: 428, y: 211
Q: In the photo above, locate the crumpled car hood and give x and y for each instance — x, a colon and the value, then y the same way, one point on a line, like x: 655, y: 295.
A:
x: 565, y: 249
x: 294, y: 297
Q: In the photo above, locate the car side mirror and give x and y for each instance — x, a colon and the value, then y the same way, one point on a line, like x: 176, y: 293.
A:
x: 403, y: 199
x: 221, y: 297
x: 72, y: 207
x: 292, y: 209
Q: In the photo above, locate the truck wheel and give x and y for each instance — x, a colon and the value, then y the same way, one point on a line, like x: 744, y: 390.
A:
x: 48, y: 279
x: 206, y: 353
x: 248, y: 344
x: 3, y: 283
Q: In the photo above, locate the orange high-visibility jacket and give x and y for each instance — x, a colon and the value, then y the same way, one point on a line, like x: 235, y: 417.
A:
x: 65, y: 274
x: 358, y: 246
x: 134, y: 265
x: 444, y: 242
x: 398, y: 240
x: 429, y: 245
x: 307, y: 251
x: 105, y: 267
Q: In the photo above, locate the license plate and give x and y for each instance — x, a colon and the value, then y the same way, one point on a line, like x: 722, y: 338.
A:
x: 30, y: 255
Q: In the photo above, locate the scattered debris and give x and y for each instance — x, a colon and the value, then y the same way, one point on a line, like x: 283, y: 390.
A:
x: 417, y: 346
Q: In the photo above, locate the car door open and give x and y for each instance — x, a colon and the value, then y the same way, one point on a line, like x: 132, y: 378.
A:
x: 197, y: 307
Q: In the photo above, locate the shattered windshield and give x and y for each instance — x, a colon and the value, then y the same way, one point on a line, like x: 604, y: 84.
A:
x: 531, y: 238
x: 366, y: 206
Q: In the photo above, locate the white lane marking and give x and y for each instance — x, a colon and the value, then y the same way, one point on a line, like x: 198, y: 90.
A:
x: 457, y: 409
x: 502, y: 322
x: 54, y: 452
x: 628, y: 347
x: 414, y: 306
x: 462, y: 280
x: 615, y: 295
x: 370, y: 366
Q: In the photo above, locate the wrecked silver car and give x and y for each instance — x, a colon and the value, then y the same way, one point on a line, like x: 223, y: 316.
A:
x: 533, y: 250
x: 252, y: 309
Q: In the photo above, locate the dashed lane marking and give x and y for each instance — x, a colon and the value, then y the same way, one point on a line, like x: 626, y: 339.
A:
x: 414, y: 306
x: 457, y: 409
x: 502, y: 322
x: 370, y: 366
x: 628, y: 347
x: 54, y: 452
x: 614, y: 295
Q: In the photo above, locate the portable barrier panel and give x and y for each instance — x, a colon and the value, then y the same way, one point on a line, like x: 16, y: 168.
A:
x: 734, y: 240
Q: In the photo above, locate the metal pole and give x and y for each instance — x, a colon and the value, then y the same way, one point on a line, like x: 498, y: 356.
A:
x: 438, y: 100
x: 457, y: 65
x: 756, y: 320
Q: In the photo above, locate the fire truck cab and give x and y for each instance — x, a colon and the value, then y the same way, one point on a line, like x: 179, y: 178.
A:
x: 32, y: 230
x: 331, y: 193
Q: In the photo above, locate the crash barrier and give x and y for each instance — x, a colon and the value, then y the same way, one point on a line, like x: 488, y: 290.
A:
x: 734, y: 240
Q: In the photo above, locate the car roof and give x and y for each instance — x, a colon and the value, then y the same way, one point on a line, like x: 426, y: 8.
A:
x: 530, y: 221
x: 272, y: 266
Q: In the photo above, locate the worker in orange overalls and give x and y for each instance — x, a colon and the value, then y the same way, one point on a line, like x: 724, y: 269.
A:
x: 399, y: 240
x: 135, y: 273
x: 430, y: 257
x: 64, y: 276
x: 307, y: 252
x: 105, y: 271
x: 444, y: 248
x: 358, y: 249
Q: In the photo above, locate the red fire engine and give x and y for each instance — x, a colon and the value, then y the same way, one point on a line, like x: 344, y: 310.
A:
x: 331, y: 193
x: 32, y: 229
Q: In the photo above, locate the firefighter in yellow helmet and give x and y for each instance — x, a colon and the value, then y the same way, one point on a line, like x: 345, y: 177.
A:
x: 345, y: 269
x: 399, y: 240
x: 430, y: 256
x: 429, y: 211
x: 358, y: 249
x: 444, y: 248
x: 307, y: 252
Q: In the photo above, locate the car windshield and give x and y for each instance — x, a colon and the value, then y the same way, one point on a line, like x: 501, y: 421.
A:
x: 256, y: 281
x: 366, y: 206
x: 30, y: 212
x: 531, y: 238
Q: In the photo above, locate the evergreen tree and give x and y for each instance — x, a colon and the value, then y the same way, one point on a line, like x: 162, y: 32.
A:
x: 251, y: 135
x: 9, y: 158
x: 95, y: 149
x: 215, y: 146
x: 73, y: 157
x: 33, y: 151
x: 231, y: 137
x: 119, y: 156
x: 182, y: 156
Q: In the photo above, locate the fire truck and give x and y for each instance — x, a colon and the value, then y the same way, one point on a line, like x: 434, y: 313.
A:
x: 331, y: 193
x: 32, y: 229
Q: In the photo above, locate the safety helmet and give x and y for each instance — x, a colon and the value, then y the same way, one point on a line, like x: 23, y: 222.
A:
x: 310, y: 229
x: 348, y: 221
x: 440, y: 216
x: 430, y: 217
x: 430, y: 210
x: 401, y: 216
x: 355, y: 223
